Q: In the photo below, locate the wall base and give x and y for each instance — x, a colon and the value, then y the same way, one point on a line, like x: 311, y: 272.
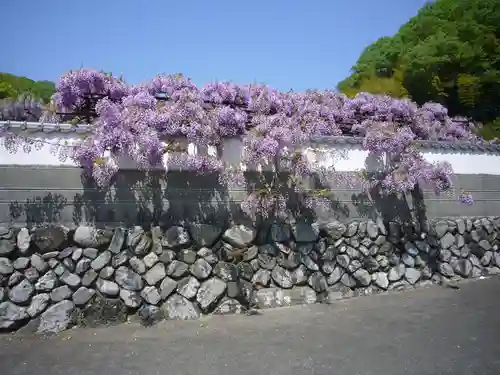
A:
x: 52, y: 278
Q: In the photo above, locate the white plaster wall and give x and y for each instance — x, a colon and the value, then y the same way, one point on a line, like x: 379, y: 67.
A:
x: 345, y: 158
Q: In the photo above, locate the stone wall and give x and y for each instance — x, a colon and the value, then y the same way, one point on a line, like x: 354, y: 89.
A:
x: 52, y: 278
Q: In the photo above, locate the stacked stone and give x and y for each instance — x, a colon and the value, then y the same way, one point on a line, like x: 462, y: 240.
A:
x: 52, y: 278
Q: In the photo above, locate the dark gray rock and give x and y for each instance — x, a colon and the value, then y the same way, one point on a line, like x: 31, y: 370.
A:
x: 226, y: 271
x: 309, y: 263
x: 82, y: 296
x: 168, y: 256
x: 128, y: 279
x: 282, y: 277
x: 353, y: 266
x: 380, y: 279
x: 176, y: 237
x: 460, y: 226
x: 38, y: 304
x: 140, y: 242
x: 66, y: 252
x: 156, y: 238
x: 151, y: 295
x: 348, y: 280
x: 300, y: 275
x: 229, y: 306
x: 317, y: 281
x: 87, y: 236
x: 334, y: 229
x: 155, y: 274
x: 31, y: 274
x: 267, y: 261
x: 49, y: 255
x: 485, y: 245
x: 89, y: 277
x: 56, y: 318
x: 167, y: 287
x: 201, y: 269
x: 351, y: 230
x: 106, y: 272
x: 22, y: 292
x: 245, y: 271
x: 343, y: 260
x: 188, y: 287
x: 210, y: 292
x: 101, y: 261
x: 48, y: 239
x: 335, y: 276
x: 130, y: 299
x: 137, y: 265
x: 487, y: 258
x: 423, y: 246
x: 59, y: 269
x: 328, y: 266
x: 463, y: 267
x: 372, y: 229
x: 23, y: 240
x: 447, y: 241
x: 117, y: 241
x: 382, y: 261
x: 47, y: 282
x: 496, y: 259
x: 20, y: 263
x: 251, y: 253
x: 362, y: 277
x: 70, y: 279
x: 150, y: 260
x: 39, y: 263
x: 446, y: 270
x: 68, y: 264
x: 204, y: 234
x: 396, y: 273
x: 15, y: 278
x: 370, y: 264
x: 150, y: 314
x: 187, y: 256
x: 61, y: 293
x: 101, y: 311
x: 408, y: 260
x: 177, y: 269
x: 107, y: 288
x: 441, y: 227
x: 120, y: 259
x: 445, y: 255
x: 239, y: 236
x: 6, y: 266
x: 262, y: 277
x: 178, y: 307
x: 411, y: 249
x: 90, y: 253
x: 412, y: 275
x: 11, y: 315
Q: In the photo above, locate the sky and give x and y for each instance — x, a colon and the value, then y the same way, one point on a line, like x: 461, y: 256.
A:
x: 285, y: 44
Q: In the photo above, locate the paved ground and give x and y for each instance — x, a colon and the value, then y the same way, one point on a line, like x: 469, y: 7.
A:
x: 431, y: 331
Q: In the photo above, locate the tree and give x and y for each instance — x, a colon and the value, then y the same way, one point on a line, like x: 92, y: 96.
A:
x: 448, y: 53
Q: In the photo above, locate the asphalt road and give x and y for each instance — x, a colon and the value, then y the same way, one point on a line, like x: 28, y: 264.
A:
x: 430, y: 331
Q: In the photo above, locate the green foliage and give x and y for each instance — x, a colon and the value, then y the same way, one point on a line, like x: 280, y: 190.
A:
x: 448, y: 53
x: 12, y: 86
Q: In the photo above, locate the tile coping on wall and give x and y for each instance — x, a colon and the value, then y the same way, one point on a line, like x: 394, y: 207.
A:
x: 34, y: 127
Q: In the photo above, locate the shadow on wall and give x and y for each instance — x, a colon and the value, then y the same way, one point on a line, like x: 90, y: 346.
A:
x: 145, y: 198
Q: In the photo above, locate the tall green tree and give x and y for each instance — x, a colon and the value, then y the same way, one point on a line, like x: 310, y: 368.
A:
x: 448, y: 53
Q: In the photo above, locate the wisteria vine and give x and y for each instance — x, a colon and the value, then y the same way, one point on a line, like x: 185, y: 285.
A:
x: 153, y: 122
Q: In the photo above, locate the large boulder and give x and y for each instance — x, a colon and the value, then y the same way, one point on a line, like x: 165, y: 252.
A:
x: 178, y: 307
x: 56, y: 318
x: 87, y: 236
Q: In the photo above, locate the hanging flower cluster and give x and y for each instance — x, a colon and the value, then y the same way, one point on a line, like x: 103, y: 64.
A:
x: 146, y: 121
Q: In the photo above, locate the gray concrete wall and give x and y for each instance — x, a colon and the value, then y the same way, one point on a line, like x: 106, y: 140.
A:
x: 31, y: 195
